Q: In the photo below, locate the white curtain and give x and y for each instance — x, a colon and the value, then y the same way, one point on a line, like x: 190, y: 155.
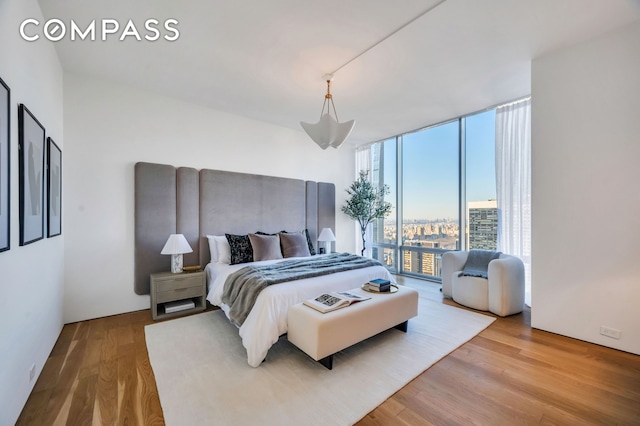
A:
x: 363, y: 162
x: 513, y: 180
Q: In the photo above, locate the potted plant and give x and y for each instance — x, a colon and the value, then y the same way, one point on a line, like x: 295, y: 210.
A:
x: 366, y: 203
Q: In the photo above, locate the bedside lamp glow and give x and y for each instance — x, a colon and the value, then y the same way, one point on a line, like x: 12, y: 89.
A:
x: 326, y: 237
x: 176, y: 245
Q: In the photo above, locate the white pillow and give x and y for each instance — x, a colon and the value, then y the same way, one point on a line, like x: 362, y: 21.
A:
x: 212, y: 248
x: 223, y: 249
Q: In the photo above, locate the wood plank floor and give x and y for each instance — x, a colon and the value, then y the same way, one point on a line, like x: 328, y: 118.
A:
x: 98, y: 373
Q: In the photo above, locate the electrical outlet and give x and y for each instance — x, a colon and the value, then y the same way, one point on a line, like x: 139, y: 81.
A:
x: 610, y: 332
x: 32, y: 372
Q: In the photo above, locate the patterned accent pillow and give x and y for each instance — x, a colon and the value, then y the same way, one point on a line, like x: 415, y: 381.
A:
x: 241, y: 251
x: 312, y: 249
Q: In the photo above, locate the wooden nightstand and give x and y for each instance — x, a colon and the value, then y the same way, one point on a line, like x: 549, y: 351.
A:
x: 167, y: 287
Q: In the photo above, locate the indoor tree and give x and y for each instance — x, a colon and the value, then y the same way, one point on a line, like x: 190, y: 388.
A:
x: 366, y: 203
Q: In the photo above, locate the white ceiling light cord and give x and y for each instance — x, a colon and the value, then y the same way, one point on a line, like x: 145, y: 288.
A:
x: 403, y: 26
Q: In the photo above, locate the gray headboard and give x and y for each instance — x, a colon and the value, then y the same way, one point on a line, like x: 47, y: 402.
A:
x: 212, y: 202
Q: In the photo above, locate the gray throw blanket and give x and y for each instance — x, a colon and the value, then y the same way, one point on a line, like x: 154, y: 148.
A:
x: 241, y: 289
x: 478, y: 263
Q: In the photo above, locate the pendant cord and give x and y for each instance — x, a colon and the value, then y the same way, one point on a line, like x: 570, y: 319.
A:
x: 403, y: 26
x: 334, y: 110
x: 323, y: 105
x: 331, y: 104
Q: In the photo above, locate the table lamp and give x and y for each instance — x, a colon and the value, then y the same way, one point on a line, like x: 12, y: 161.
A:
x: 176, y: 245
x: 326, y: 236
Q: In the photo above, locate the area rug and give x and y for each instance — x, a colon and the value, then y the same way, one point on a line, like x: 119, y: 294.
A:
x: 203, y: 377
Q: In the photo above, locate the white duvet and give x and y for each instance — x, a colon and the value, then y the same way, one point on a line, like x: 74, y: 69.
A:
x: 267, y: 321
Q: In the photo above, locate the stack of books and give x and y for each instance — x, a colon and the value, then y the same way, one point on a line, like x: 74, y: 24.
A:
x: 379, y: 284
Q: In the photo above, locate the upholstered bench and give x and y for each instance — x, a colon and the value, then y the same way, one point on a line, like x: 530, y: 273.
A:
x: 322, y: 335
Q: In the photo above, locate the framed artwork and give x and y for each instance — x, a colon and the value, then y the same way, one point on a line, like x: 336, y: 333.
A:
x: 5, y: 162
x: 31, y: 161
x: 54, y: 189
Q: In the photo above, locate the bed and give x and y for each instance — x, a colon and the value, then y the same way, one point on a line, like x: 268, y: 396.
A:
x: 267, y: 320
x: 204, y: 202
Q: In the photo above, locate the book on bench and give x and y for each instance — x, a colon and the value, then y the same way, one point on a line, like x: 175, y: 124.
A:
x: 379, y: 285
x: 328, y: 302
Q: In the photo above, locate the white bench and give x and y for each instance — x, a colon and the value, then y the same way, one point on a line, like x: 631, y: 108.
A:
x: 322, y: 335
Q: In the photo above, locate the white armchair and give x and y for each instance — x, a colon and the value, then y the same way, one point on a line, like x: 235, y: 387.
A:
x: 502, y: 293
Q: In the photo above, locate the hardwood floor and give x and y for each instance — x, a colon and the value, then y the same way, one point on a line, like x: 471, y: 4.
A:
x: 98, y: 373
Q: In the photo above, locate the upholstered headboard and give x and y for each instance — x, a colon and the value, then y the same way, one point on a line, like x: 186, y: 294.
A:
x: 213, y: 202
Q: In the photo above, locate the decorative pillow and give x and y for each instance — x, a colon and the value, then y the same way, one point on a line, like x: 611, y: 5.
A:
x: 222, y: 249
x: 265, y: 247
x: 241, y: 251
x: 294, y: 244
x: 312, y: 249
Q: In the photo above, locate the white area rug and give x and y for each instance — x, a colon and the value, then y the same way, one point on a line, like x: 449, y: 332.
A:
x: 203, y: 377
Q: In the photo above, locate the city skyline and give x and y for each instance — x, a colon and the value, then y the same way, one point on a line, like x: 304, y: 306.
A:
x: 424, y: 240
x: 431, y: 190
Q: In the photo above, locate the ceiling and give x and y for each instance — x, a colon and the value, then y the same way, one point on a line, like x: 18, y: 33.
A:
x: 265, y: 59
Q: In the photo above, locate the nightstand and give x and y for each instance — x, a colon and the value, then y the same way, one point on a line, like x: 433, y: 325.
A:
x: 169, y: 289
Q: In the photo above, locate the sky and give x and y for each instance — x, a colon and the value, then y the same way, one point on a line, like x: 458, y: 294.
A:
x: 430, y: 167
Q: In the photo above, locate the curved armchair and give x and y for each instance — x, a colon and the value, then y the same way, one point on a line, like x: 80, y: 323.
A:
x: 502, y: 293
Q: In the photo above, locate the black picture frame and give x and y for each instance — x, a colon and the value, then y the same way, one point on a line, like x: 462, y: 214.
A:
x: 5, y: 166
x: 31, y: 146
x: 54, y: 189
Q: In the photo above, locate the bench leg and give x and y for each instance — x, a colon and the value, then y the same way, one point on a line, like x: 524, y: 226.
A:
x: 402, y: 326
x: 327, y: 362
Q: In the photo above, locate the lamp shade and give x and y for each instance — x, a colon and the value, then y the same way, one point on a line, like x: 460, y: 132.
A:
x: 326, y: 235
x: 176, y: 244
x: 328, y: 132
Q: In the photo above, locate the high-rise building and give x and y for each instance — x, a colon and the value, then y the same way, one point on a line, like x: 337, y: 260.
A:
x: 377, y: 180
x: 420, y: 262
x: 482, y: 220
x: 410, y: 261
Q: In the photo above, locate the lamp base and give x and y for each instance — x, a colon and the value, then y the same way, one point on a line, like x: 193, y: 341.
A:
x: 176, y: 263
x: 324, y: 247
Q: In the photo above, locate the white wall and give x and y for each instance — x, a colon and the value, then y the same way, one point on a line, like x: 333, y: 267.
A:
x: 585, y: 189
x: 110, y: 127
x: 31, y: 277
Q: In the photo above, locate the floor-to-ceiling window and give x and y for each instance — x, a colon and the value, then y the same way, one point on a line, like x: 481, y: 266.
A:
x: 384, y: 172
x: 481, y: 211
x: 443, y: 189
x: 430, y: 202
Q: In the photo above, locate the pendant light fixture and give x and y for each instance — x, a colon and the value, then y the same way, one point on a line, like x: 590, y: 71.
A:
x: 328, y: 131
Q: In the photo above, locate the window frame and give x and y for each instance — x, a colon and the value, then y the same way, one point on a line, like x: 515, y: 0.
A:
x: 398, y: 248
